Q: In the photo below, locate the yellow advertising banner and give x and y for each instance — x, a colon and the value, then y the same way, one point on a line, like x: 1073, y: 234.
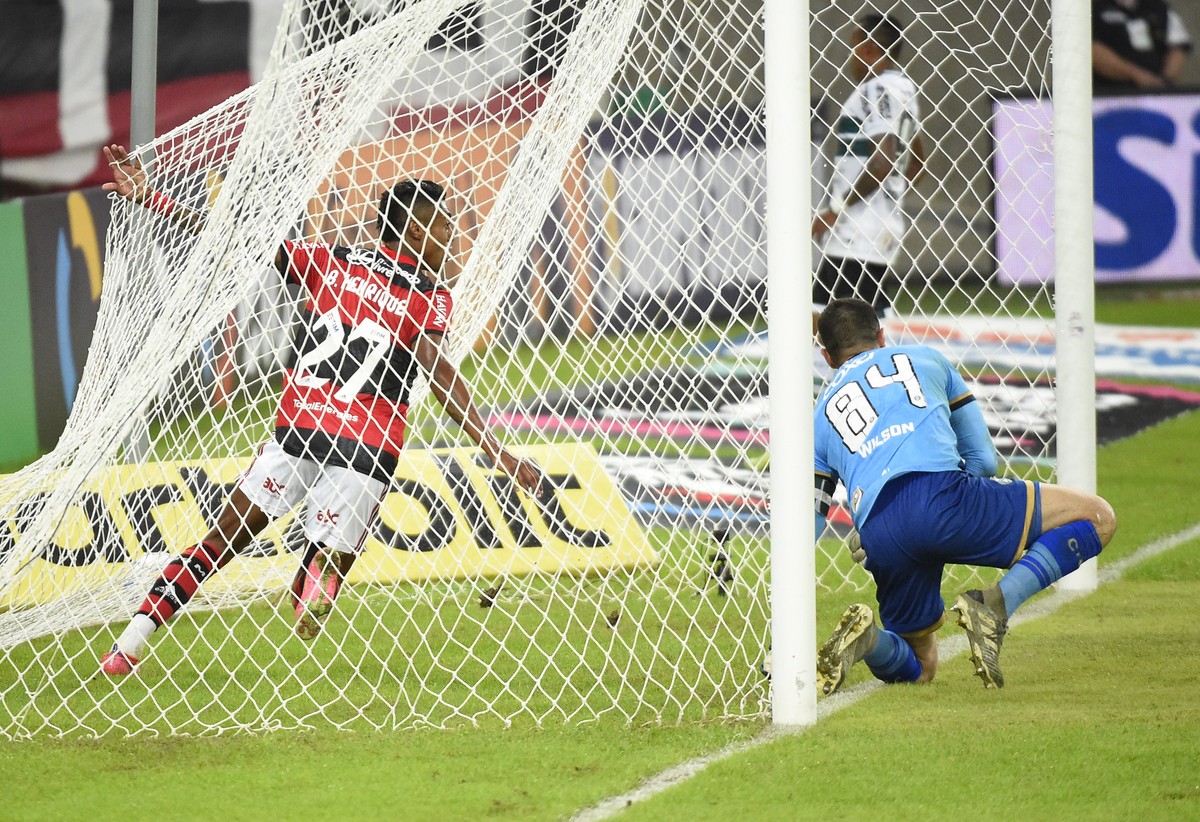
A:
x: 447, y: 515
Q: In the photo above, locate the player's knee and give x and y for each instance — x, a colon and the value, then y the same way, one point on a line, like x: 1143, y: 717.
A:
x: 1104, y: 518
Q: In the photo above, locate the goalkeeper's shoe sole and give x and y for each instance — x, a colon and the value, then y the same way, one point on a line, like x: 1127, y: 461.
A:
x: 117, y: 663
x: 855, y: 634
x: 321, y: 586
x: 985, y: 631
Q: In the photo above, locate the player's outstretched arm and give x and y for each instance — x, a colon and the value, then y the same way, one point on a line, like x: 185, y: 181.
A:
x: 131, y: 182
x: 452, y: 392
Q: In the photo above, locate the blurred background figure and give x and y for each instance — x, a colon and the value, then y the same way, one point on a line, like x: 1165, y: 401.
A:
x: 878, y: 156
x: 1137, y: 44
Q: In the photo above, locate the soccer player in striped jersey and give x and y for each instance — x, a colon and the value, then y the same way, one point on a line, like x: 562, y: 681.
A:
x: 901, y: 431
x: 878, y: 155
x: 374, y: 319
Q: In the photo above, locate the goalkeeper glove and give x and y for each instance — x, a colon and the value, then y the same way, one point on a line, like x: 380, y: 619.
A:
x: 854, y: 546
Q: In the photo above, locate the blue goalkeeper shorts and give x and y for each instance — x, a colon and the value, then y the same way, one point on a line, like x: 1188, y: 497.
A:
x: 924, y: 521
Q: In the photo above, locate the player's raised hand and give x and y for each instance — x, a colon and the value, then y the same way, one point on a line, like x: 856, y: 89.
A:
x: 525, y: 472
x: 129, y: 178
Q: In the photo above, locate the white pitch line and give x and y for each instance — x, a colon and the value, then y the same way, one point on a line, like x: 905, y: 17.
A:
x: 947, y: 649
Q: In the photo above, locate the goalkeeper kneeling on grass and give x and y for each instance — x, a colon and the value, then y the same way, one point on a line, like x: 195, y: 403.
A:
x: 374, y: 319
x: 898, y: 427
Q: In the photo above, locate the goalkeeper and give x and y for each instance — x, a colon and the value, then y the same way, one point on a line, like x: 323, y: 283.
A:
x: 899, y: 428
x: 374, y: 319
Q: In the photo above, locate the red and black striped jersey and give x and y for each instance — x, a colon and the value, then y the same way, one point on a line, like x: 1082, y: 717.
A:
x: 347, y: 384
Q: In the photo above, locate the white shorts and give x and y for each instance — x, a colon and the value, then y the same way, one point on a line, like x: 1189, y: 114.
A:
x: 340, y: 503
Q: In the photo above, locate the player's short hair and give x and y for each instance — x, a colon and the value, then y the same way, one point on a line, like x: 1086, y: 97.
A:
x: 398, y: 204
x: 847, y: 324
x: 884, y: 31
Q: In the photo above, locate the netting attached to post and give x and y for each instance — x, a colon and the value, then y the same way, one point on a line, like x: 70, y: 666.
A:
x: 604, y: 165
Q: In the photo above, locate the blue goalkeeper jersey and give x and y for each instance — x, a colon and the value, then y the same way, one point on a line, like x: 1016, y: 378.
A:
x: 886, y: 413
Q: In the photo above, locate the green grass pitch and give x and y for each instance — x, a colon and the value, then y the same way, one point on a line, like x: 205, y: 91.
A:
x: 1100, y: 720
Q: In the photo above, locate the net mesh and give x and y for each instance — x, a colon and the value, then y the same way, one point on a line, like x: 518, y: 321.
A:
x: 604, y: 163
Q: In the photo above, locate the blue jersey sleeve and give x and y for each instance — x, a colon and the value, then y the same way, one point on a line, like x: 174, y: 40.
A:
x: 820, y: 464
x: 974, y: 440
x: 966, y: 418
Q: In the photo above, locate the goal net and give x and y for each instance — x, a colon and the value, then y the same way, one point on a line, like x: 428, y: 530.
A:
x: 604, y: 162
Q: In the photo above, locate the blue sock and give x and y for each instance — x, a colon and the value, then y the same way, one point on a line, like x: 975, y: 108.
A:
x: 1055, y: 554
x: 893, y: 659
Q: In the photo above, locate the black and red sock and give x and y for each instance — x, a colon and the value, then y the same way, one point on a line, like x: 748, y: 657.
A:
x: 179, y: 581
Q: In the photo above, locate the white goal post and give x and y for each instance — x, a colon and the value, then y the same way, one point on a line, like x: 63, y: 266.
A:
x: 789, y: 261
x: 632, y: 187
x: 1074, y: 261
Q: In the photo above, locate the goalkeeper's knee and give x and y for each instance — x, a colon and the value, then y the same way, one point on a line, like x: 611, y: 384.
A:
x: 1104, y: 518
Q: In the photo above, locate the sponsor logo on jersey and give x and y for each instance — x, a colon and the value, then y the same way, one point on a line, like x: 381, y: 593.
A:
x: 273, y: 486
x: 328, y: 517
x: 441, y: 308
x: 369, y: 258
x: 320, y: 408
